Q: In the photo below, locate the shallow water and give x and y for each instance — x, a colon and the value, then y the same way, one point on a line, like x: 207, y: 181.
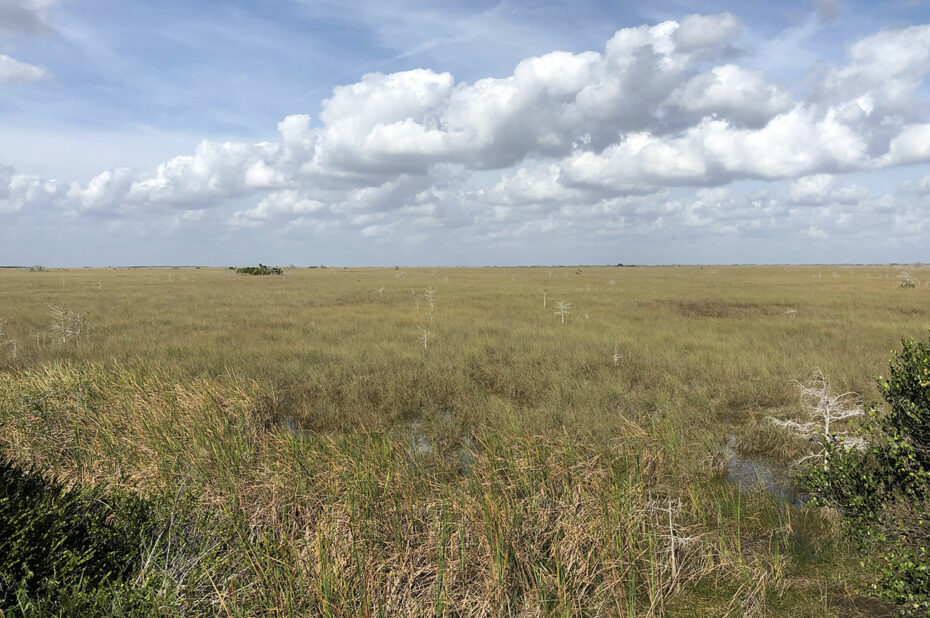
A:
x: 293, y: 427
x: 419, y: 445
x: 749, y: 473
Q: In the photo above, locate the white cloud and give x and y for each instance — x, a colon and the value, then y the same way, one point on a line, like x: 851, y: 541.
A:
x: 888, y: 66
x: 20, y: 191
x: 823, y: 189
x: 735, y: 93
x: 704, y: 31
x: 526, y: 187
x: 104, y: 191
x: 287, y: 204
x: 815, y: 233
x: 13, y: 71
x: 404, y: 122
x: 911, y: 145
x: 792, y: 144
x: 646, y: 135
x: 215, y: 171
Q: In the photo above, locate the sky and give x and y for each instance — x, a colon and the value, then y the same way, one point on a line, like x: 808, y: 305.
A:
x: 404, y: 132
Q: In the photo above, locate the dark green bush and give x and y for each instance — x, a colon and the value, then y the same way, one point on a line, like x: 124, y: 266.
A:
x: 261, y: 269
x: 92, y: 551
x: 61, y: 544
x: 883, y: 491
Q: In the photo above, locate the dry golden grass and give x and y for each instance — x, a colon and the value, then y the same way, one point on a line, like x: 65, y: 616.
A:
x: 513, y: 466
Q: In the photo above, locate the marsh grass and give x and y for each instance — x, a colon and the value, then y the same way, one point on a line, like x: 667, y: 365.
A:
x: 572, y: 469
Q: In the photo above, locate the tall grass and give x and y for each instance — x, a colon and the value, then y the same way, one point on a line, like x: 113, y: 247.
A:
x: 311, y: 458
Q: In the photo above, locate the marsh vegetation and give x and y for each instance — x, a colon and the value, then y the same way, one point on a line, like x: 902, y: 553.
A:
x: 345, y: 442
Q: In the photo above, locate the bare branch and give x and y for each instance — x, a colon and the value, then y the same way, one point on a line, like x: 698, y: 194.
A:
x: 824, y: 410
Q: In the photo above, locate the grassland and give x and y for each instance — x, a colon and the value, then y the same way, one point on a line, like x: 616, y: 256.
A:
x: 312, y: 456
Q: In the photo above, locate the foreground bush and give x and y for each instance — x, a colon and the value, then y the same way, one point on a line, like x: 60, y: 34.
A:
x: 67, y: 549
x: 89, y: 550
x: 884, y: 490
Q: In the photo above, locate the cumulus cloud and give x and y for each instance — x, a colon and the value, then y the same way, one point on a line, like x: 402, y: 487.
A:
x: 823, y: 189
x: 215, y: 171
x: 795, y: 143
x: 103, y: 192
x: 412, y: 122
x: 732, y: 92
x: 647, y: 134
x: 13, y: 71
x: 888, y: 67
x: 20, y: 191
x: 531, y: 187
x: 911, y: 145
x: 704, y: 31
x: 404, y: 122
x: 287, y: 204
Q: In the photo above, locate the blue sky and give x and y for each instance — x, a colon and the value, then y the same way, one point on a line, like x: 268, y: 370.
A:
x: 463, y: 133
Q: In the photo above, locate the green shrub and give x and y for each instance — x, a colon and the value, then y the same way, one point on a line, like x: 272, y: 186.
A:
x: 883, y: 491
x: 90, y: 551
x: 261, y: 269
x: 59, y: 544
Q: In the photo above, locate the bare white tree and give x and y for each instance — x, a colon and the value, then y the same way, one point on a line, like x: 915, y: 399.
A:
x: 906, y: 281
x: 545, y: 292
x: 66, y: 324
x: 823, y: 411
x: 430, y: 295
x: 424, y: 337
x: 562, y: 309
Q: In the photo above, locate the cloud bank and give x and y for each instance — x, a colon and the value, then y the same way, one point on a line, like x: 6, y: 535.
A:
x: 663, y: 129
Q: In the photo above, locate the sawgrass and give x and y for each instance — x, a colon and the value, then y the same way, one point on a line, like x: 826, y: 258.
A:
x: 329, y: 464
